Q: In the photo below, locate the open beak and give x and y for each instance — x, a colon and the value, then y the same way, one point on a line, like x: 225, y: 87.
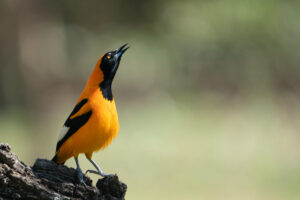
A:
x: 120, y: 51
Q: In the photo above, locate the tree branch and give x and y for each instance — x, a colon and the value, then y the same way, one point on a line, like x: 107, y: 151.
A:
x: 47, y: 180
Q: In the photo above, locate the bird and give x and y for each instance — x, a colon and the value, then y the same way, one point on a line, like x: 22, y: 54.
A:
x: 93, y: 122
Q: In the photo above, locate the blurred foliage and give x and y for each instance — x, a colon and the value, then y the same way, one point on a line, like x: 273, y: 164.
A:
x: 207, y: 94
x: 224, y: 46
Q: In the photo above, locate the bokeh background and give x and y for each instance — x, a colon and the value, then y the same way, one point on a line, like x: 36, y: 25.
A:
x: 207, y: 94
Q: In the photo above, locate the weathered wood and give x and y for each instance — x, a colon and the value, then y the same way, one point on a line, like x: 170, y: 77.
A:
x: 47, y: 180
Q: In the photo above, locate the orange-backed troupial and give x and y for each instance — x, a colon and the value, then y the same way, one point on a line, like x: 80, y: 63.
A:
x: 93, y: 123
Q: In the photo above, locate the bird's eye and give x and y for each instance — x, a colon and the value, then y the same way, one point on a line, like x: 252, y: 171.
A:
x: 108, y: 57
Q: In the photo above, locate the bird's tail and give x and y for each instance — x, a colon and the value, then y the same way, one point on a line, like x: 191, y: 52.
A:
x: 54, y: 158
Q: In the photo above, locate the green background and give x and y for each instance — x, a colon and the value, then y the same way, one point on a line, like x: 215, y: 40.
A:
x: 207, y: 94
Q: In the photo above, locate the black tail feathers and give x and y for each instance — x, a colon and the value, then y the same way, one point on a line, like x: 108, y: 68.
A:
x: 54, y: 158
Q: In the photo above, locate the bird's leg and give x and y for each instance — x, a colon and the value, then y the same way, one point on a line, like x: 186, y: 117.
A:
x: 99, y: 170
x: 79, y: 172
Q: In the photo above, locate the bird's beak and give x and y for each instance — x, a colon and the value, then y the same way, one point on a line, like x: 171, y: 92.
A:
x: 120, y: 51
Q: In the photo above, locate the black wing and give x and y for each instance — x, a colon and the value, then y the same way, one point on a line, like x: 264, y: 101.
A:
x: 76, y: 123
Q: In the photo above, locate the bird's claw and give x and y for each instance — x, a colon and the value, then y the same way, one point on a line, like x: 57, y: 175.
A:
x: 99, y: 173
x: 80, y: 178
x: 109, y: 175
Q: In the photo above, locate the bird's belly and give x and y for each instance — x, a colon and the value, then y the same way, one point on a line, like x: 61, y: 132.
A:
x: 106, y: 128
x: 102, y: 128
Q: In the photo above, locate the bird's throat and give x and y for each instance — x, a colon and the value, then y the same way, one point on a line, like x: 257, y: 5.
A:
x: 105, y: 87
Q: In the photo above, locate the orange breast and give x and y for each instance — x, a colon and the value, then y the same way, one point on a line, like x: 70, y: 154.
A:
x: 98, y: 132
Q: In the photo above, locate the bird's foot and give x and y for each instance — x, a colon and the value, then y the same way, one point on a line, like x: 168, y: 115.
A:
x: 99, y: 173
x: 80, y: 177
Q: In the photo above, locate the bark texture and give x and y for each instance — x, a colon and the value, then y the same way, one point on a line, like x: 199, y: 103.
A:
x: 47, y: 180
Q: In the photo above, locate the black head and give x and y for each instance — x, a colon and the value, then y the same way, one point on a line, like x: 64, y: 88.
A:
x: 109, y: 65
x: 110, y: 62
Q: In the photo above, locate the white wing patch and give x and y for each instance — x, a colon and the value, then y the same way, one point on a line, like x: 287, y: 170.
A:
x: 63, y: 132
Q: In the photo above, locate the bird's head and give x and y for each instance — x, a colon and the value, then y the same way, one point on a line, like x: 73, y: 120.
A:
x: 110, y: 63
